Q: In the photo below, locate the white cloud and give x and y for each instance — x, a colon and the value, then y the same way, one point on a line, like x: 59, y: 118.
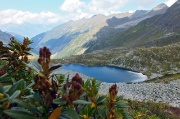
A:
x: 131, y: 11
x: 78, y: 9
x: 74, y: 10
x: 11, y: 16
x: 71, y: 5
x: 170, y: 2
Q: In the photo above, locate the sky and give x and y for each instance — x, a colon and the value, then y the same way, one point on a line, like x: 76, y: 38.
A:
x: 46, y: 12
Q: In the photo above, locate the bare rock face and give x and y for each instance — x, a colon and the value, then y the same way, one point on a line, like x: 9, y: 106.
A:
x: 159, y: 7
x: 77, y: 37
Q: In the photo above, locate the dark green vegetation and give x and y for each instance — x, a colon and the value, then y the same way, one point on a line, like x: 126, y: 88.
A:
x: 165, y: 79
x: 156, y: 110
x: 33, y: 91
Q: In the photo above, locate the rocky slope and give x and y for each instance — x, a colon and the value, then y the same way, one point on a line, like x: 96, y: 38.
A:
x: 157, y: 92
x: 59, y: 37
x: 4, y: 37
x: 75, y: 37
x: 159, y: 30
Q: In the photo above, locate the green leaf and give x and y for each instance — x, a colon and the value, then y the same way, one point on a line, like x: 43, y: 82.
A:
x: 118, y: 113
x: 1, y: 89
x: 55, y: 67
x: 91, y: 111
x: 81, y: 102
x: 1, y: 67
x: 16, y: 86
x: 64, y: 114
x: 101, y: 99
x: 2, y: 77
x: 13, y: 80
x: 14, y: 95
x: 37, y: 96
x: 72, y: 113
x: 102, y: 111
x: 27, y: 53
x: 19, y: 114
x: 25, y: 105
x: 59, y: 101
x: 60, y: 78
x: 30, y: 85
x: 4, y: 99
x: 37, y: 65
x: 126, y: 115
x: 82, y: 95
x: 121, y: 104
x: 6, y: 88
x: 30, y: 65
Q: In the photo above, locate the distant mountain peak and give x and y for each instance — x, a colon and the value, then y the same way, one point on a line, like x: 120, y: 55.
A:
x: 98, y: 15
x: 178, y: 2
x: 160, y: 6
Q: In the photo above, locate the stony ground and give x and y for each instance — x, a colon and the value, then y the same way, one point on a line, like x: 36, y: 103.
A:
x: 158, y: 92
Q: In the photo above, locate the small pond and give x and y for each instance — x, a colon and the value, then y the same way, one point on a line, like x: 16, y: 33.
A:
x: 108, y: 74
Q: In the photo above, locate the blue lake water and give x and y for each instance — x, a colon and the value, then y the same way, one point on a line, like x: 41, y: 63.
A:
x: 108, y: 74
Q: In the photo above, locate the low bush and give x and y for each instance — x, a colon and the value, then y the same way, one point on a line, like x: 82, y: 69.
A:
x: 33, y: 90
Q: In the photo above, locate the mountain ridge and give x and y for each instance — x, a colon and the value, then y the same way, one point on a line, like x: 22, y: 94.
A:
x: 123, y: 30
x: 74, y: 37
x: 146, y: 31
x: 5, y: 37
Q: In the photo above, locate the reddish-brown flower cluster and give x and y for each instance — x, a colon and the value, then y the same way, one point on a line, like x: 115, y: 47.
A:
x: 26, y: 59
x: 44, y: 59
x: 2, y: 72
x: 44, y: 56
x: 113, y: 90
x: 112, y: 93
x: 77, y: 79
x: 25, y: 42
x: 41, y: 83
x: 75, y: 89
x: 45, y: 88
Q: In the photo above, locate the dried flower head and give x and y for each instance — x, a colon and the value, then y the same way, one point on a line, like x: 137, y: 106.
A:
x: 26, y: 58
x: 77, y: 78
x: 25, y: 42
x: 2, y: 72
x: 12, y: 38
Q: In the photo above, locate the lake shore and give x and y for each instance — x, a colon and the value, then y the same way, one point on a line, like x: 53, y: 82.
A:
x: 157, y: 92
